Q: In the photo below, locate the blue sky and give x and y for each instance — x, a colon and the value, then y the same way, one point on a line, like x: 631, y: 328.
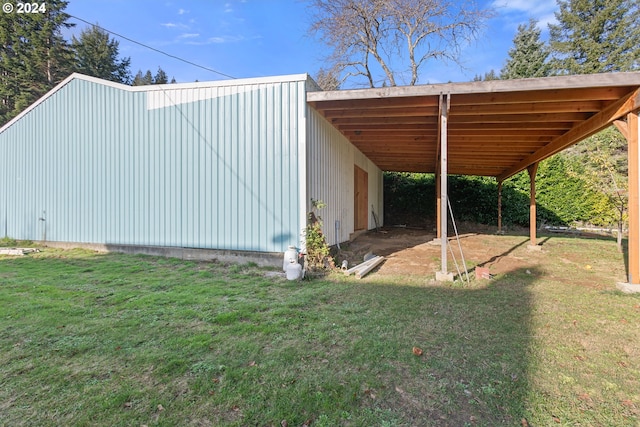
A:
x: 255, y: 38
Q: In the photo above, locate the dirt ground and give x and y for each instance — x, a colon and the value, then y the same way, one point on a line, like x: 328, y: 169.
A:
x: 411, y: 251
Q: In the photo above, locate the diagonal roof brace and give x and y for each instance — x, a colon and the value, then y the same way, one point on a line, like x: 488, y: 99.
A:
x: 594, y: 124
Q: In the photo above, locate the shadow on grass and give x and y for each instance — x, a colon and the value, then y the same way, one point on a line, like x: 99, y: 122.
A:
x: 475, y: 346
x: 231, y: 348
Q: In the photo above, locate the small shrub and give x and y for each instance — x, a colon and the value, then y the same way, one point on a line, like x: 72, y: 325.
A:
x: 317, y: 253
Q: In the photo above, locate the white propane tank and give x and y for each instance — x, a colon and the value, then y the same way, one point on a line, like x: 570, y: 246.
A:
x: 290, y: 254
x: 294, y: 270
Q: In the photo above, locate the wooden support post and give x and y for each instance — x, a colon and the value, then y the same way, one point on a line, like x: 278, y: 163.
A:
x: 443, y: 274
x: 438, y: 201
x: 533, y: 170
x: 499, y: 206
x: 633, y: 129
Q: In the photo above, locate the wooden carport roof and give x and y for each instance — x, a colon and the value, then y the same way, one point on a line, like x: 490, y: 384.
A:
x: 492, y: 128
x: 495, y: 128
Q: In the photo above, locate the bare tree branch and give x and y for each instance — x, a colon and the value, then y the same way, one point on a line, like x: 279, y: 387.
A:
x: 398, y: 35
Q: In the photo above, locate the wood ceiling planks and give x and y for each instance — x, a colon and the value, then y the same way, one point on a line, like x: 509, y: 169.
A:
x: 494, y: 128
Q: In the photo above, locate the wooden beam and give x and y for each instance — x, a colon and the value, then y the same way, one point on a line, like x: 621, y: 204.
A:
x: 623, y: 128
x: 520, y: 118
x: 417, y: 120
x: 381, y: 112
x: 528, y: 107
x: 634, y: 197
x: 540, y: 96
x: 444, y: 116
x: 630, y: 102
x: 533, y: 170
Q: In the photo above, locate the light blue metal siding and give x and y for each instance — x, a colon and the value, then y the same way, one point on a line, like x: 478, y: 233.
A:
x: 207, y: 167
x: 330, y: 169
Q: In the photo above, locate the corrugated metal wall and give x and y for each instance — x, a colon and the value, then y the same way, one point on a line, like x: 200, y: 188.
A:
x: 207, y: 167
x: 330, y: 170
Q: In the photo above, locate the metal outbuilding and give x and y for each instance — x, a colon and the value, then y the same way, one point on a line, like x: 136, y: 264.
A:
x: 230, y: 166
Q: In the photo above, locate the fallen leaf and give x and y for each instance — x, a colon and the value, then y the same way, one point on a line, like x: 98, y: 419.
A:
x: 160, y: 408
x: 235, y: 408
x: 417, y: 351
x: 252, y: 363
x: 472, y: 419
x: 584, y: 396
x: 215, y: 380
x: 307, y: 423
x: 623, y: 321
x: 524, y: 422
x: 580, y: 358
x: 556, y: 419
x: 623, y: 364
x: 588, y: 267
x: 284, y: 423
x: 211, y: 392
x: 127, y: 405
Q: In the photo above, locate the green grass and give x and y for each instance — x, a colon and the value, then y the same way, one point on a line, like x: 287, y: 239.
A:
x: 94, y: 339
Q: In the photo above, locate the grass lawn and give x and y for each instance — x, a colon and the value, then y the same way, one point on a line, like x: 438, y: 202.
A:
x: 119, y: 340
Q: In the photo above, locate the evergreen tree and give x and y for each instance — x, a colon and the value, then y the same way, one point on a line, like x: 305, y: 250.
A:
x: 34, y: 57
x: 143, y: 79
x: 161, y: 77
x: 596, y: 36
x: 491, y: 75
x: 97, y: 55
x: 528, y: 56
x: 148, y: 79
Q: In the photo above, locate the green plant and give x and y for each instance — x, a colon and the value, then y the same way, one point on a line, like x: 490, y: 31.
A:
x: 8, y: 242
x: 317, y: 249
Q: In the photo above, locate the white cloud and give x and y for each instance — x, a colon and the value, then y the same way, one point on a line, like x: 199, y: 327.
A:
x: 188, y: 35
x: 222, y: 40
x: 174, y: 25
x: 182, y: 11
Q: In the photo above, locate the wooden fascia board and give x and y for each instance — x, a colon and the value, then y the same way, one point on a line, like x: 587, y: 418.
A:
x: 596, y: 123
x: 498, y: 87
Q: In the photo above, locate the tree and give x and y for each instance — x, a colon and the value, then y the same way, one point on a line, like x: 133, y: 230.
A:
x: 34, y: 56
x: 396, y: 36
x: 160, y: 77
x: 599, y: 36
x: 142, y: 79
x: 148, y: 78
x: 596, y: 36
x: 528, y: 56
x: 97, y: 55
x: 490, y: 75
x: 327, y: 79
